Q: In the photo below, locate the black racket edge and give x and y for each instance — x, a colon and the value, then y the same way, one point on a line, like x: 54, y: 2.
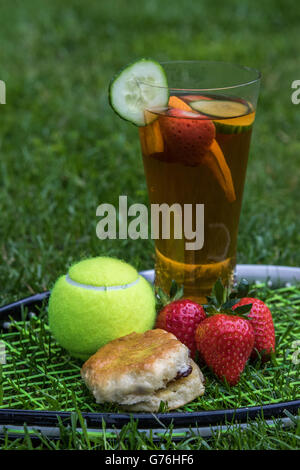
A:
x: 14, y: 310
x: 50, y: 418
x: 13, y: 417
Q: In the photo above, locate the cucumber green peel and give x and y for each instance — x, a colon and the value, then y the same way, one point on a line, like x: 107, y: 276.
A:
x: 136, y: 89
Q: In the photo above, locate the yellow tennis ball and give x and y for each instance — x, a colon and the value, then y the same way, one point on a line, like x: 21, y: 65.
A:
x: 100, y: 299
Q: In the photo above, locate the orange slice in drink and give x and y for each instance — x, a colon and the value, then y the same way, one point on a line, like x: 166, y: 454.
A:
x: 177, y: 103
x: 151, y: 138
x: 215, y: 160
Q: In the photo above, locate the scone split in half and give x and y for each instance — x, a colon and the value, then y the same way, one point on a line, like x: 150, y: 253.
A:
x: 138, y: 371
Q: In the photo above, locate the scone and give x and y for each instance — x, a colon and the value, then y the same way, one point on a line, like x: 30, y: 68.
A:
x: 138, y: 371
x: 176, y: 394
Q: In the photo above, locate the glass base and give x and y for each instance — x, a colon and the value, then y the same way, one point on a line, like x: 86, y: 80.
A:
x: 197, y: 279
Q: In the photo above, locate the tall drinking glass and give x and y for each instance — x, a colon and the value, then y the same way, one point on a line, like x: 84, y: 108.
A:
x: 195, y: 159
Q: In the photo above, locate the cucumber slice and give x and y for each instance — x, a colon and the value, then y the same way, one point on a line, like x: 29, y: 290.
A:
x: 235, y: 125
x: 138, y: 88
x: 220, y: 108
x: 229, y: 117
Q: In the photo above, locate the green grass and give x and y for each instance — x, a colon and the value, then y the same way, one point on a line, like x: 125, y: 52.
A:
x: 257, y: 436
x: 63, y: 151
x: 39, y: 375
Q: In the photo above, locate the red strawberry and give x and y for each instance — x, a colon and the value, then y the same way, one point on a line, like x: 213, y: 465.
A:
x: 225, y: 343
x: 261, y: 320
x: 187, y: 139
x: 181, y: 317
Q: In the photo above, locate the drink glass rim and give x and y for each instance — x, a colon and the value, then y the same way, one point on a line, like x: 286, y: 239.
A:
x: 254, y: 71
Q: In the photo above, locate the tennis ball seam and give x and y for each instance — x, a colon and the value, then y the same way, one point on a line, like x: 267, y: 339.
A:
x: 100, y: 288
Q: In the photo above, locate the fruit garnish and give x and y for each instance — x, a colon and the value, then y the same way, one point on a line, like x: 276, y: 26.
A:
x: 188, y: 140
x: 261, y: 320
x: 190, y: 98
x: 235, y: 125
x: 183, y: 114
x: 215, y: 160
x: 136, y: 89
x: 221, y: 108
x: 240, y: 115
x: 151, y: 139
x: 181, y: 317
x: 192, y: 142
x: 177, y: 103
x: 225, y: 343
x: 178, y: 108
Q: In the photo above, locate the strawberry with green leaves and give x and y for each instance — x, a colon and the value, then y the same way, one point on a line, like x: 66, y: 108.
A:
x: 226, y: 331
x: 180, y: 317
x: 261, y: 320
x: 225, y: 343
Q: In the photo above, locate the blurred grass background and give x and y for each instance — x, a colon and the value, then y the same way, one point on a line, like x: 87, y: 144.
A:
x: 64, y: 151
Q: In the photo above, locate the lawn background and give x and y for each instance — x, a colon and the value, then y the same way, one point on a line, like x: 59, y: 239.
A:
x: 63, y: 150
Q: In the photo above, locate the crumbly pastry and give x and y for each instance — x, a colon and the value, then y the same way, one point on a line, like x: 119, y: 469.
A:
x: 134, y: 366
x: 140, y: 370
x: 176, y: 394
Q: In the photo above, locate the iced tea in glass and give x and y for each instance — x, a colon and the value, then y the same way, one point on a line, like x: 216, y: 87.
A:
x: 195, y: 154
